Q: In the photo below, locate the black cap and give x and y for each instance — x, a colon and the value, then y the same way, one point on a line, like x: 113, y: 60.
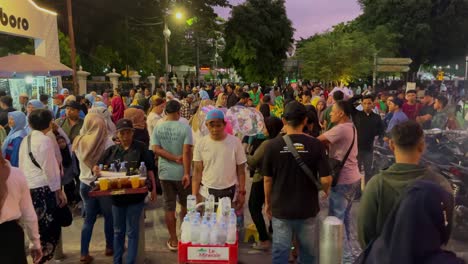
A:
x: 124, y: 124
x: 172, y: 107
x: 244, y: 95
x: 294, y: 111
x: 74, y: 104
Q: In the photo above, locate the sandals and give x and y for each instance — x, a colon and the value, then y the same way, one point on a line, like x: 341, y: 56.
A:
x: 171, y: 247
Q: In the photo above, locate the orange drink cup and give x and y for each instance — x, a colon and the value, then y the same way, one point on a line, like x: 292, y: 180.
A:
x: 103, y: 184
x: 135, y: 180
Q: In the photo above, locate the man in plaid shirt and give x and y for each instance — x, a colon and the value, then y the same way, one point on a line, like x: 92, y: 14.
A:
x: 186, y: 107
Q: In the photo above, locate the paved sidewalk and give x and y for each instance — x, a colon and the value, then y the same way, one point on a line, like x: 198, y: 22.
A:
x: 156, y: 237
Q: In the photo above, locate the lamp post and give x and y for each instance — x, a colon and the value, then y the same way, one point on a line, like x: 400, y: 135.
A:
x: 167, y: 35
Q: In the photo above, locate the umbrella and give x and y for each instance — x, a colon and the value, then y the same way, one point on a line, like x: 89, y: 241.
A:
x: 19, y: 66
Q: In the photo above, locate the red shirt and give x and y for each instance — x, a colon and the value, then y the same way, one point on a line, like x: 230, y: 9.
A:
x: 411, y: 111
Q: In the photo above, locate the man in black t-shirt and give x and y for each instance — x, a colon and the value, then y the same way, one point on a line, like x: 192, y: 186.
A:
x: 291, y: 196
x: 426, y: 113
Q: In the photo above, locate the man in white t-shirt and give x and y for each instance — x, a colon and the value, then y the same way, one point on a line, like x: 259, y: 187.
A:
x: 219, y: 162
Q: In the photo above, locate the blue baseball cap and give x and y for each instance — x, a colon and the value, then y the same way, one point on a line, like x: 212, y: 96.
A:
x: 214, y: 114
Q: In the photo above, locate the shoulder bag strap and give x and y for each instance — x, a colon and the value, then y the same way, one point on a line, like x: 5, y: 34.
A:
x: 350, y: 148
x: 31, y: 156
x: 300, y: 162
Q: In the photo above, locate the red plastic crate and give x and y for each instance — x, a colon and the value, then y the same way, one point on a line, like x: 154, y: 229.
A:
x: 208, y: 254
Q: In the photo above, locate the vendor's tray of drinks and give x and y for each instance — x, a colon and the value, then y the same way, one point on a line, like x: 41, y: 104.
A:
x: 117, y: 183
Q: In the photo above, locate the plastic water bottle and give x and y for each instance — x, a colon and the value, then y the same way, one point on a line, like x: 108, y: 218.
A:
x: 231, y: 236
x: 204, y: 233
x: 195, y: 231
x: 186, y: 232
x: 142, y: 169
x: 209, y: 205
x: 123, y: 167
x: 191, y: 203
x: 222, y: 233
x: 213, y: 234
x: 112, y: 168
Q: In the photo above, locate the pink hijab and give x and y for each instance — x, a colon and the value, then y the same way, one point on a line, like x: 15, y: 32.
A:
x: 118, y: 108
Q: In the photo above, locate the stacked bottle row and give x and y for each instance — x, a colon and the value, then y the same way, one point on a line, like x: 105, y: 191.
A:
x: 123, y: 168
x: 212, y: 228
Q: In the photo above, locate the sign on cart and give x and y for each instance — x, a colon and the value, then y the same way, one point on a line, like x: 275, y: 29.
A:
x: 208, y: 253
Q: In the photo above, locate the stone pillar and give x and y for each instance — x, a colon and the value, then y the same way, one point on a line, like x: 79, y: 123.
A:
x: 182, y: 80
x: 174, y: 80
x: 114, y: 78
x: 82, y: 80
x: 152, y: 80
x: 135, y: 79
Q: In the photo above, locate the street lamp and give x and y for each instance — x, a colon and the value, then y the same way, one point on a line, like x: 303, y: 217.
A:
x: 167, y: 36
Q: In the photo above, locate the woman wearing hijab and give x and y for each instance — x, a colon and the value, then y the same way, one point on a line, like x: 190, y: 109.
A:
x: 15, y: 206
x: 416, y: 230
x: 65, y: 92
x: 88, y: 147
x: 221, y: 100
x: 195, y: 121
x: 90, y: 98
x: 137, y: 116
x: 105, y: 114
x: 105, y: 98
x: 204, y: 95
x: 33, y: 105
x: 118, y: 106
x: 11, y: 144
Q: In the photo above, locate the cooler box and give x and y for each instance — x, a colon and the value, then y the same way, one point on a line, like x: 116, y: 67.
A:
x: 208, y: 254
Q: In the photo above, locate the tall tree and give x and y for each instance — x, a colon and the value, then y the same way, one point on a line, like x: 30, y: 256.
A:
x: 258, y: 34
x: 339, y: 55
x: 430, y: 30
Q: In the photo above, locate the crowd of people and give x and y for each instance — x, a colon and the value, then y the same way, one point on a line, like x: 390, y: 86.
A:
x: 314, y: 140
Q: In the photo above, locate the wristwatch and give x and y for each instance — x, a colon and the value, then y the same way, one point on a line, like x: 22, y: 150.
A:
x: 241, y: 192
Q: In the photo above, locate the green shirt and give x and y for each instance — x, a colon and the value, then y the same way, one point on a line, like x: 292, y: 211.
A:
x: 255, y: 161
x: 383, y: 192
x: 255, y: 97
x: 71, y: 131
x: 171, y: 136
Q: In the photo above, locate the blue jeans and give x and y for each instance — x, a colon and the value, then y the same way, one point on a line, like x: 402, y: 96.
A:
x: 126, y: 220
x: 91, y: 207
x: 306, y: 231
x: 341, y: 201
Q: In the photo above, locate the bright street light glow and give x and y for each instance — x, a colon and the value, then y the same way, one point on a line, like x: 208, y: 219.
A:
x: 178, y: 15
x: 29, y: 79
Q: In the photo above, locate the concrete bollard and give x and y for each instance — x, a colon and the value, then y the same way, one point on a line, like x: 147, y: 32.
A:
x: 141, y: 257
x: 331, y: 241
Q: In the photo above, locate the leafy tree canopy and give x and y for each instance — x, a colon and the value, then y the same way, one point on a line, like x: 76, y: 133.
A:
x: 257, y: 37
x: 429, y: 30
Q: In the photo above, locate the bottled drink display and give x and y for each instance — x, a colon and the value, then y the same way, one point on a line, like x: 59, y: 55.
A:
x: 211, y: 229
x: 191, y: 203
x: 142, y: 169
x: 186, y: 233
x: 210, y: 205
